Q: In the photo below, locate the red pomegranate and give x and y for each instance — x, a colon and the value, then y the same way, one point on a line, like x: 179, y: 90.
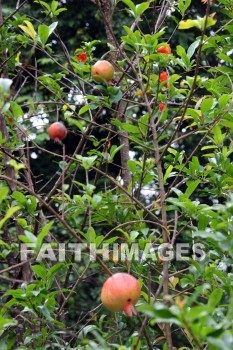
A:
x: 102, y: 70
x: 120, y: 292
x: 57, y: 131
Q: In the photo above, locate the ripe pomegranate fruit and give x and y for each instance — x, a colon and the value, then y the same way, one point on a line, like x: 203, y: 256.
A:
x: 102, y: 70
x: 120, y: 292
x: 164, y: 49
x: 57, y: 131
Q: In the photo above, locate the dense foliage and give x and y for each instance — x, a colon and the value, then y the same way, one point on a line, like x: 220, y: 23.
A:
x: 141, y: 182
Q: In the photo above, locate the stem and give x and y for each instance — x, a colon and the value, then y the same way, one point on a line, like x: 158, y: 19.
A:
x: 105, y: 10
x: 164, y: 223
x: 63, y: 181
x: 165, y: 234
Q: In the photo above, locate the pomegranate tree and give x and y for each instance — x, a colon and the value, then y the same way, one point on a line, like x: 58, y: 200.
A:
x: 120, y: 292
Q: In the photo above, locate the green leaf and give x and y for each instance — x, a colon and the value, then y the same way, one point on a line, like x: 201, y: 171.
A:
x: 130, y: 4
x: 132, y: 164
x: 208, y: 147
x: 43, y: 32
x: 114, y: 149
x: 206, y: 105
x: 130, y: 128
x: 91, y: 234
x: 96, y: 200
x: 143, y: 123
x: 188, y: 23
x: 87, y: 162
x: 53, y: 270
x: 43, y: 233
x: 10, y: 212
x: 31, y: 203
x: 20, y: 198
x: 50, y: 83
x: 160, y: 313
x: 210, y: 21
x: 31, y: 237
x: 60, y: 10
x: 115, y: 94
x: 17, y: 110
x: 84, y: 109
x: 7, y: 322
x: 183, y: 5
x: 181, y: 52
x: 191, y: 186
x: 43, y: 4
x: 218, y: 236
x: 54, y: 5
x: 22, y: 222
x: 168, y: 171
x: 140, y: 8
x: 218, y: 135
x: 198, y: 23
x: 197, y: 312
x: 28, y: 29
x: 215, y: 297
x: 5, y: 244
x: 16, y: 166
x: 3, y: 193
x: 40, y: 271
x: 224, y: 100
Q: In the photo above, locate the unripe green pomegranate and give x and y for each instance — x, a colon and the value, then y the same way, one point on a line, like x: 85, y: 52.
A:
x: 120, y: 292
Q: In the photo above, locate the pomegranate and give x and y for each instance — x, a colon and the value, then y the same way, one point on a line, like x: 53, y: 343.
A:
x: 120, y: 292
x: 102, y: 70
x: 164, y: 49
x: 57, y: 131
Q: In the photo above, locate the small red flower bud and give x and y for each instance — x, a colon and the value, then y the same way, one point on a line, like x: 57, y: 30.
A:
x: 163, y: 76
x: 82, y: 57
x: 164, y: 49
x: 162, y: 106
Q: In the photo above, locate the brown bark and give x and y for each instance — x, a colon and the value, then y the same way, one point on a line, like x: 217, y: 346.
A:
x: 105, y: 10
